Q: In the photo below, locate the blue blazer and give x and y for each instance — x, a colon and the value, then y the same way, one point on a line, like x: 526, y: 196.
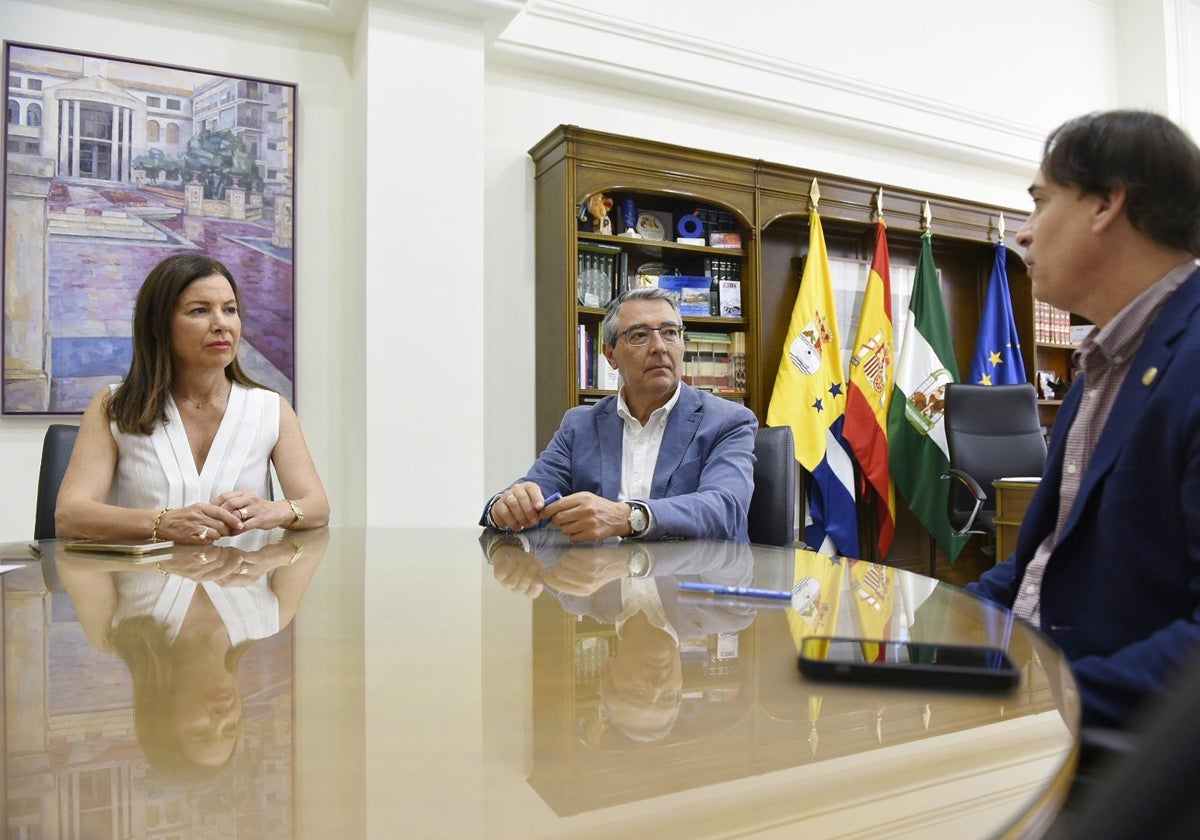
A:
x: 703, y: 478
x: 1121, y: 594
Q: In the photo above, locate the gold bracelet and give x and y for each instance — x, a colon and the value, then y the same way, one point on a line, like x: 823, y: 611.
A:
x: 157, y: 521
x: 297, y: 551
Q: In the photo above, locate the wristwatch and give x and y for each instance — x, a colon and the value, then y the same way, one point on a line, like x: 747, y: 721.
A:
x: 639, y: 562
x: 497, y: 541
x: 296, y: 512
x: 639, y: 519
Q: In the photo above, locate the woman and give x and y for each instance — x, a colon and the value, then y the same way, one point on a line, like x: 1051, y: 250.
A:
x: 181, y: 450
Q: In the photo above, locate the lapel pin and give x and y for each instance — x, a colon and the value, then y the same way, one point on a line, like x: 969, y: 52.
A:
x: 1149, y: 375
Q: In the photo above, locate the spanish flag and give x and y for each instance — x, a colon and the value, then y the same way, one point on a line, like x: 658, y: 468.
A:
x: 872, y: 375
x: 810, y: 396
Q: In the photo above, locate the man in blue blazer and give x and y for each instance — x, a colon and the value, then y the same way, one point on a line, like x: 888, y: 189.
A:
x: 658, y: 460
x: 1107, y: 563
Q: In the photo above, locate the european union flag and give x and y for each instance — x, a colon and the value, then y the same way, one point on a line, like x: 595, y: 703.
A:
x: 997, y: 359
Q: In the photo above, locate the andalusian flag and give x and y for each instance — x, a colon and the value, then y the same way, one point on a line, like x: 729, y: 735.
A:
x: 997, y: 359
x: 916, y: 436
x: 872, y: 372
x: 810, y: 396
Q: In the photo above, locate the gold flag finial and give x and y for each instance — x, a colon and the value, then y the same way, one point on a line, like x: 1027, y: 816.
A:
x: 879, y: 205
x: 814, y: 194
x: 1000, y: 227
x: 926, y: 218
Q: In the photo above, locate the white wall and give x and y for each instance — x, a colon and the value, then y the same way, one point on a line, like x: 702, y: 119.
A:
x: 415, y: 206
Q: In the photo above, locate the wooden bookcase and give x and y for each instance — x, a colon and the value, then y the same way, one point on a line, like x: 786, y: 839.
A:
x: 769, y: 205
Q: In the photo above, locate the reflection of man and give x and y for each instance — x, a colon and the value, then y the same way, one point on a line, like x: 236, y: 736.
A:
x: 659, y: 459
x: 634, y: 587
x: 1107, y: 560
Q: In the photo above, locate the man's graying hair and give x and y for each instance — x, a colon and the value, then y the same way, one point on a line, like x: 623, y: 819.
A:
x: 608, y: 327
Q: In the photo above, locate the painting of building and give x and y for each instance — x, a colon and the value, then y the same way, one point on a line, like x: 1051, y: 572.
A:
x: 112, y: 165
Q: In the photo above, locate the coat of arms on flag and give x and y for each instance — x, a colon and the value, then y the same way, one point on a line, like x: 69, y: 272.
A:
x: 875, y: 359
x: 805, y: 349
x: 926, y: 404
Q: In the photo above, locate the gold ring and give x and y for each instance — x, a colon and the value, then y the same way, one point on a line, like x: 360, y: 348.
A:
x: 243, y: 570
x: 202, y: 557
x: 203, y: 535
x: 243, y: 513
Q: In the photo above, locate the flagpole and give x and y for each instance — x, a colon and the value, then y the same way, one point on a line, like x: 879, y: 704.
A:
x: 872, y: 498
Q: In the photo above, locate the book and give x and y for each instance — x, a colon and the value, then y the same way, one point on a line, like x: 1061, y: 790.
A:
x: 123, y: 547
x: 730, y: 295
x: 694, y: 298
x: 607, y: 377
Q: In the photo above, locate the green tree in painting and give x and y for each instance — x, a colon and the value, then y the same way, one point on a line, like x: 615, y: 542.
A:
x: 215, y: 158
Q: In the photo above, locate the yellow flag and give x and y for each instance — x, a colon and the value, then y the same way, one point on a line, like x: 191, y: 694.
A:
x: 810, y: 396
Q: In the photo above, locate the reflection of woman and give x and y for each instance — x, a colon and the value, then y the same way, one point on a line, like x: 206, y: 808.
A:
x: 183, y: 633
x: 181, y: 450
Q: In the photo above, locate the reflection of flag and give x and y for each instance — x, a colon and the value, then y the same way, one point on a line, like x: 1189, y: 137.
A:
x: 916, y: 436
x: 997, y: 359
x: 872, y: 372
x: 873, y: 590
x: 816, y: 596
x: 810, y: 396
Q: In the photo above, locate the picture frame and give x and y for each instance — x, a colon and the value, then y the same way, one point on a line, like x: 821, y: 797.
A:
x: 111, y: 165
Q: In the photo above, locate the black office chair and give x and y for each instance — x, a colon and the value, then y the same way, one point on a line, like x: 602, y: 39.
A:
x: 772, y: 514
x: 992, y: 431
x: 56, y: 452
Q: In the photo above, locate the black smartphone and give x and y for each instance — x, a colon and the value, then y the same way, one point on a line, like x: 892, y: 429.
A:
x: 907, y: 664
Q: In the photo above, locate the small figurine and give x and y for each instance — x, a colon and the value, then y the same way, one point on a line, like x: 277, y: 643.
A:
x: 598, y: 206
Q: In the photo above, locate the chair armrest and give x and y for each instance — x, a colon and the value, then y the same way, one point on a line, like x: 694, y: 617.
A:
x: 970, y: 483
x: 976, y: 493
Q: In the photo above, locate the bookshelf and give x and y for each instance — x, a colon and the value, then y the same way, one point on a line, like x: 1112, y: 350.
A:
x: 1057, y: 334
x: 766, y: 206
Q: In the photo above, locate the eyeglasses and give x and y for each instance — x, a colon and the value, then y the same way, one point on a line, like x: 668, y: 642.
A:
x: 639, y: 336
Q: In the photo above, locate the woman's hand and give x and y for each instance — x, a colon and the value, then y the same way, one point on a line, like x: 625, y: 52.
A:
x: 230, y: 566
x: 200, y: 563
x: 253, y: 511
x: 198, y: 524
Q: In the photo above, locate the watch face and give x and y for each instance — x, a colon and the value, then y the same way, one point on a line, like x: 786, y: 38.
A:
x: 639, y: 564
x: 637, y: 520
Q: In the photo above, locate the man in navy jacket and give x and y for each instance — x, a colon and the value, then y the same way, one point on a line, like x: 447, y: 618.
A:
x: 1107, y: 563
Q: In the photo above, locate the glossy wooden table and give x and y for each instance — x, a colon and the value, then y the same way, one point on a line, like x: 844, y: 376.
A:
x: 425, y: 691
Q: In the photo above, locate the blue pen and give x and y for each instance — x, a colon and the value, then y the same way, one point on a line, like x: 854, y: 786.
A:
x: 744, y: 591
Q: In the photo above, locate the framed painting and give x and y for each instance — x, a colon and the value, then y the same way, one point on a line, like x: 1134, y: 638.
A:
x: 111, y: 165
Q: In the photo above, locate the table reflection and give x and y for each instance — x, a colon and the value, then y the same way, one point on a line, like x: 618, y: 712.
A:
x: 557, y: 690
x: 644, y: 633
x: 641, y: 690
x: 210, y: 719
